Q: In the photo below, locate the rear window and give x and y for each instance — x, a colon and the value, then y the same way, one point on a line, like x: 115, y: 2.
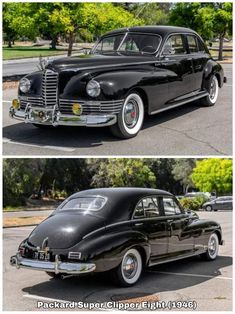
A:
x: 93, y: 203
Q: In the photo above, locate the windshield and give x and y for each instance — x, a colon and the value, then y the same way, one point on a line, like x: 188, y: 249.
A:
x: 132, y: 43
x: 93, y: 203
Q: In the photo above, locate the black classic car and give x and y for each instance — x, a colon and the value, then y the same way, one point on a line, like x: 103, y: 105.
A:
x: 130, y: 72
x: 121, y: 230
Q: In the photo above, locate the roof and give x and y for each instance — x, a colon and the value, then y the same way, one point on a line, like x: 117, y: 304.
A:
x: 121, y: 191
x: 158, y: 29
x: 120, y: 201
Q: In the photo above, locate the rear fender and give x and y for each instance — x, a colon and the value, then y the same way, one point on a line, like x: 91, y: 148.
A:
x: 107, y: 250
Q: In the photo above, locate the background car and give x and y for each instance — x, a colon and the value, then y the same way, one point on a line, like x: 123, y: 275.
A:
x: 220, y: 203
x: 121, y: 230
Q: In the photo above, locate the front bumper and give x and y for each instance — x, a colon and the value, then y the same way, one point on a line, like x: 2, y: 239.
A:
x: 56, y: 267
x: 52, y: 116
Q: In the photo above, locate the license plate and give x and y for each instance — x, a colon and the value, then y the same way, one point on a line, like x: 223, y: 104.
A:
x: 42, y: 256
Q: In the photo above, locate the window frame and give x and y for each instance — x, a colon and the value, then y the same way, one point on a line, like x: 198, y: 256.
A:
x: 177, y: 203
x: 141, y: 200
x: 183, y: 41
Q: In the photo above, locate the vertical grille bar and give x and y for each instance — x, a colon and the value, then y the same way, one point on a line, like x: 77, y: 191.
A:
x: 49, y: 88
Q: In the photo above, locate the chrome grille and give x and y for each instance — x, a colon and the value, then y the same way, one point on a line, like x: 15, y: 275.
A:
x: 91, y: 107
x: 49, y: 88
x: 34, y: 101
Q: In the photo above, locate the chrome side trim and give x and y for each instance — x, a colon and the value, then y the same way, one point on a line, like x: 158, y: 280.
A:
x: 167, y: 260
x: 183, y: 102
x: 57, y: 267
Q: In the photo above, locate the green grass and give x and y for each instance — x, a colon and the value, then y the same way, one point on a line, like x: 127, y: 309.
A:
x: 18, y: 52
x: 14, y: 208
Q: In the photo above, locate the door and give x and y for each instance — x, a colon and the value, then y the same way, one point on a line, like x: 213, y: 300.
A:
x: 180, y: 236
x: 178, y: 63
x: 148, y: 219
x: 199, y: 58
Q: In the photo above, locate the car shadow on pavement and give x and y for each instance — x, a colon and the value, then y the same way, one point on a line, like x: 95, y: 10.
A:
x: 83, y: 137
x: 100, y: 288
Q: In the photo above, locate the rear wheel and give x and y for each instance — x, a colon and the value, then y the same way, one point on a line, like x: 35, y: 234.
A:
x: 212, y: 249
x: 130, y: 118
x: 129, y: 271
x: 212, y: 87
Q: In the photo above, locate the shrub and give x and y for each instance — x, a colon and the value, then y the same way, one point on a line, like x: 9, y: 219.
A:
x: 194, y: 203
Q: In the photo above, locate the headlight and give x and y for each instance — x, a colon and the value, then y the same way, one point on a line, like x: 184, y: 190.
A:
x: 25, y: 85
x: 93, y: 88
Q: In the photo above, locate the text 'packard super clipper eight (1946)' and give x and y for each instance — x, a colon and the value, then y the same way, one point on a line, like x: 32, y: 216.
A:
x: 130, y: 72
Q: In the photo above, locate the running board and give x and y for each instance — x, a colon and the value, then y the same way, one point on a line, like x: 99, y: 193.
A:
x: 180, y: 103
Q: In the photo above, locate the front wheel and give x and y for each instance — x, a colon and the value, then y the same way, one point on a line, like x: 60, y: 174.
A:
x: 208, y: 208
x: 212, y: 86
x: 130, y: 118
x: 212, y: 249
x: 129, y: 271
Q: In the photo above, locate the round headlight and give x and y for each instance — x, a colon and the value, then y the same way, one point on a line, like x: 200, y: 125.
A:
x: 25, y: 85
x: 93, y: 88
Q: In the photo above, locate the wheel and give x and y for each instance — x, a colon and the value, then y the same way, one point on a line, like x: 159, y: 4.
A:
x: 53, y: 275
x: 130, y: 118
x: 208, y: 208
x: 212, y: 87
x: 213, y: 247
x: 129, y: 271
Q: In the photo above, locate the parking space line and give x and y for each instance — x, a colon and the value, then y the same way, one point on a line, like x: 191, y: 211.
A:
x: 190, y: 275
x: 65, y: 149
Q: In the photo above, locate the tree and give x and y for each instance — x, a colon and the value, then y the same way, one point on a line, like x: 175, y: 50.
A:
x: 182, y: 170
x: 222, y: 23
x: 121, y: 172
x: 208, y: 19
x: 213, y: 174
x: 151, y: 13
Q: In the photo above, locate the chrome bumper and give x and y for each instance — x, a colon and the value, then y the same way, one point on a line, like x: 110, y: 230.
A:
x: 55, y: 267
x: 52, y: 116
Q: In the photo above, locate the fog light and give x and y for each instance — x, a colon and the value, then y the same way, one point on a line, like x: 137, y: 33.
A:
x: 16, y: 104
x: 77, y: 109
x: 41, y: 114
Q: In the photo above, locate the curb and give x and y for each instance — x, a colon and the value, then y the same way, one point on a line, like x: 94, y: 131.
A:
x: 7, y: 227
x: 12, y: 78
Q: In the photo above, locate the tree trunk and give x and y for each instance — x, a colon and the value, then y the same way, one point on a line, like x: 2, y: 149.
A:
x: 9, y: 42
x: 221, y: 43
x: 54, y: 42
x: 71, y: 40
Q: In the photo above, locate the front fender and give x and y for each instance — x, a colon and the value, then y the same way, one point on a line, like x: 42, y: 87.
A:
x: 107, y: 251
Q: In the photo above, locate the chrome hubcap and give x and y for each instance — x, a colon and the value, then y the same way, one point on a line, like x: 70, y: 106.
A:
x: 129, y: 266
x: 212, y: 246
x: 131, y: 113
x: 213, y: 89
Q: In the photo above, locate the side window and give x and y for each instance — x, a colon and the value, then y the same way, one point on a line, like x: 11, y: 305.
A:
x: 174, y: 46
x: 192, y: 44
x: 170, y: 206
x: 147, y: 208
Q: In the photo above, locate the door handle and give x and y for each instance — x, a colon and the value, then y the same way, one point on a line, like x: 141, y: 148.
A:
x: 139, y: 224
x: 170, y: 220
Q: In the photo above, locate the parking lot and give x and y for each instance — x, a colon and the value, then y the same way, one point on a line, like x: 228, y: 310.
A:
x: 209, y: 284
x: 186, y: 130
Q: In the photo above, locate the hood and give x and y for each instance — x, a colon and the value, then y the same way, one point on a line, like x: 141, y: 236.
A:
x: 64, y: 230
x: 94, y: 61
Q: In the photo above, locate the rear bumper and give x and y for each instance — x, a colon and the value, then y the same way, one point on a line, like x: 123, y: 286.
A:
x: 52, y: 116
x: 56, y: 267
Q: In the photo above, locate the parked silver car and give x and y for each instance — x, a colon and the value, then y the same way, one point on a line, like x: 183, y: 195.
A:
x: 223, y: 202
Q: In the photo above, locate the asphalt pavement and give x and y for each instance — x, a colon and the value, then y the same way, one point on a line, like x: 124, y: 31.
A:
x: 187, y: 130
x: 209, y: 284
